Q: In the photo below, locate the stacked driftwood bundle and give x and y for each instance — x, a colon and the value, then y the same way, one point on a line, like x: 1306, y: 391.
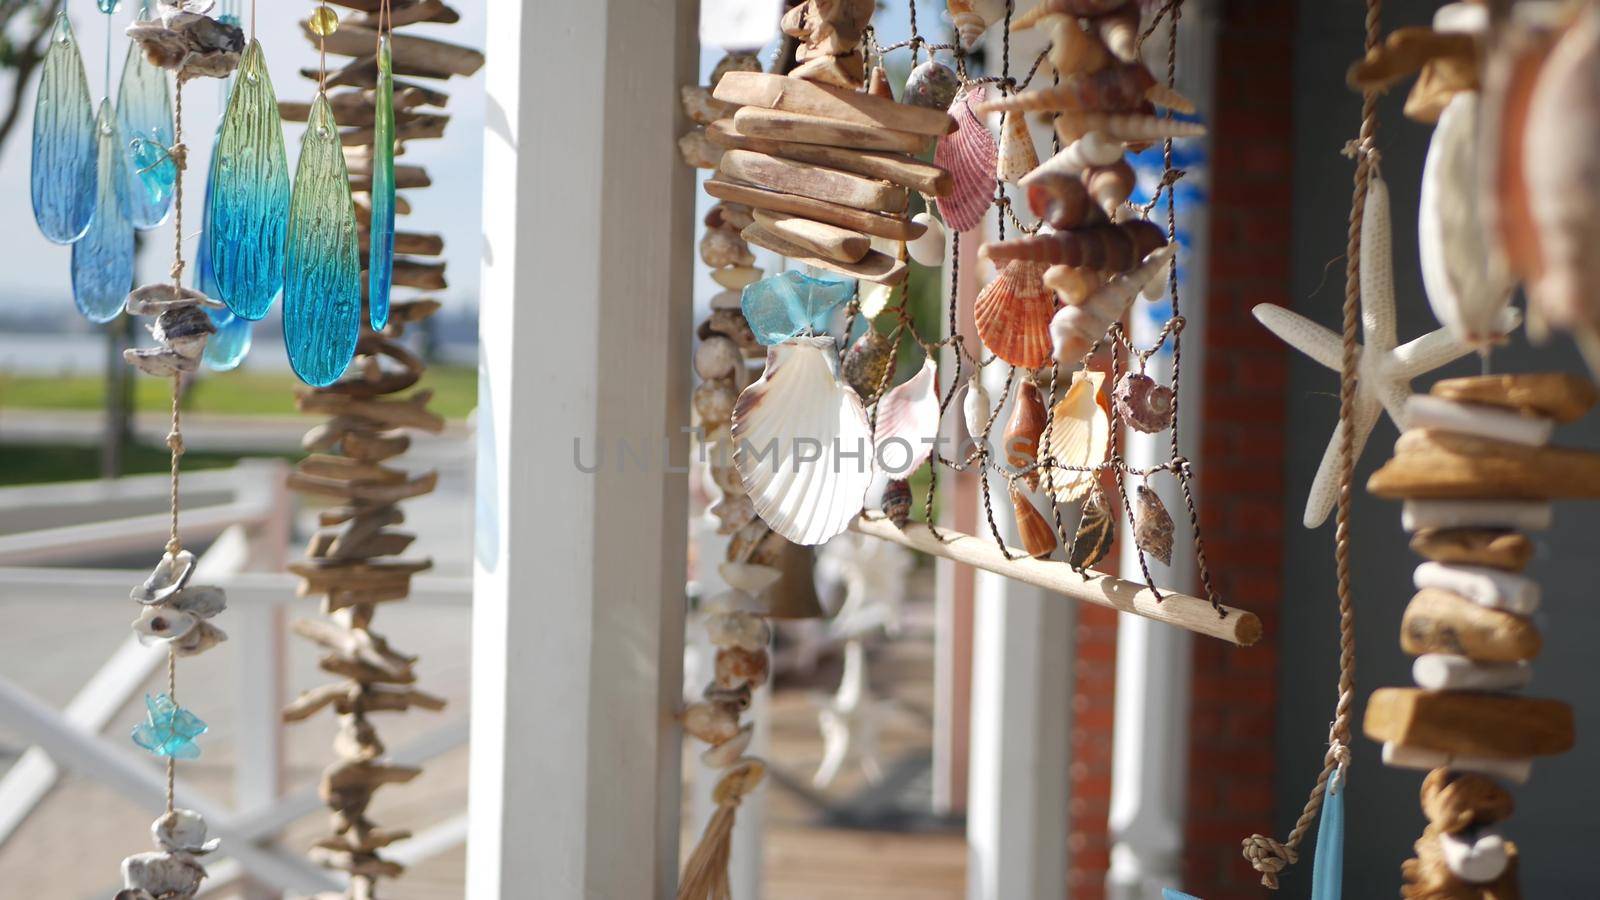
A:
x: 352, y: 560
x: 1476, y: 474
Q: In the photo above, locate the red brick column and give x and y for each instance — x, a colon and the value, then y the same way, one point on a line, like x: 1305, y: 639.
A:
x: 1241, y: 490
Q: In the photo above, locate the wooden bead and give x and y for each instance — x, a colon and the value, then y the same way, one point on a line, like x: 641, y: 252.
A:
x: 1506, y: 550
x: 1469, y: 724
x: 1440, y: 622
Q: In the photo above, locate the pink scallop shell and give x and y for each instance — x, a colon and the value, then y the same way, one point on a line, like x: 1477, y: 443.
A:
x: 970, y: 154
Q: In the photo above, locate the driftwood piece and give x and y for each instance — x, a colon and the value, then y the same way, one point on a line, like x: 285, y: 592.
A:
x: 409, y: 413
x: 874, y: 266
x: 1506, y: 550
x: 799, y: 127
x: 818, y: 210
x: 1436, y: 465
x: 411, y: 14
x: 855, y: 107
x: 1558, y: 395
x: 409, y: 51
x: 816, y: 182
x: 1470, y: 723
x: 819, y: 238
x: 895, y: 168
x: 1439, y: 622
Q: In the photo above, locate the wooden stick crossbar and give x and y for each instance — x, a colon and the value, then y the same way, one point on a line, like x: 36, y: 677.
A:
x: 1235, y: 626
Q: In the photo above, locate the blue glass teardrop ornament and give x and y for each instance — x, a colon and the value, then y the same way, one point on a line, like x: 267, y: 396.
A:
x: 64, y: 148
x: 227, y: 348
x: 249, y: 204
x: 380, y: 253
x: 1327, y: 867
x: 144, y: 111
x: 788, y: 304
x: 102, y: 261
x: 322, y: 271
x: 108, y: 6
x: 1170, y: 894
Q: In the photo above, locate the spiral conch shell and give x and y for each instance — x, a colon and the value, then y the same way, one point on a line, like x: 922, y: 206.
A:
x: 1466, y: 294
x: 1143, y: 403
x: 972, y: 17
x: 1013, y: 312
x: 803, y: 444
x: 1076, y: 328
x: 1080, y: 435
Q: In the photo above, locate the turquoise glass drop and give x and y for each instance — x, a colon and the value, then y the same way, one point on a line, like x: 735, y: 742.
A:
x: 64, y: 147
x: 249, y: 205
x: 144, y: 111
x: 227, y: 348
x: 380, y: 253
x: 168, y: 729
x: 1327, y: 868
x: 102, y: 261
x: 791, y: 303
x: 108, y: 6
x: 322, y: 273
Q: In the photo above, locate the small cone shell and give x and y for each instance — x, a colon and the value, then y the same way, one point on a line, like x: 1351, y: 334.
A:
x: 1080, y: 435
x: 975, y: 406
x: 1110, y: 186
x: 1120, y: 32
x: 867, y: 362
x: 1125, y: 127
x: 1017, y: 154
x: 897, y: 502
x: 1152, y: 526
x: 1038, y: 538
x: 1118, y: 88
x: 1164, y: 96
x: 1023, y: 430
x: 1074, y: 50
x: 1096, y: 530
x: 1013, y: 315
x: 1061, y: 200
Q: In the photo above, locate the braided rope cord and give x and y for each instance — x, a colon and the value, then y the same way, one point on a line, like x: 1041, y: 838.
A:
x: 1266, y: 855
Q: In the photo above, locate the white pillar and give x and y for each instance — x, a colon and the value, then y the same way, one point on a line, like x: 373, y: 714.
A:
x: 1150, y: 740
x: 584, y: 333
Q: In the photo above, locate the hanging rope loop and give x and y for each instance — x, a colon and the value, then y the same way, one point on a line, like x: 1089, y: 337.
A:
x: 1269, y: 857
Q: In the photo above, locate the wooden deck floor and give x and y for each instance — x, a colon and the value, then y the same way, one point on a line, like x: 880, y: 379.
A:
x: 71, y: 847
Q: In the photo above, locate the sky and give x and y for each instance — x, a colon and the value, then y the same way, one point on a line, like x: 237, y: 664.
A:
x: 37, y: 271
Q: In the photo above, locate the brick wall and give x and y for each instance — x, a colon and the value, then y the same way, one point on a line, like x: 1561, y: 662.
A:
x: 1240, y: 487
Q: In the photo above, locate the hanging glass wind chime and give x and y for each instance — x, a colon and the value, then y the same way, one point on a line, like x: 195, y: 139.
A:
x: 227, y: 348
x: 322, y: 262
x: 65, y: 151
x: 102, y: 259
x: 173, y: 610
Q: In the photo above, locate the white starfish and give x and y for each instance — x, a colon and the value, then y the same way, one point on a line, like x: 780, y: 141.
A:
x: 1384, y: 371
x: 850, y: 720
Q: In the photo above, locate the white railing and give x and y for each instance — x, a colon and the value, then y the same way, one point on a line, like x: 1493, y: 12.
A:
x: 245, y: 513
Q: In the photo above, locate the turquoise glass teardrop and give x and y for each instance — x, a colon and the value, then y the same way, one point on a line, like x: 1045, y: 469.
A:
x: 227, y: 348
x: 108, y: 6
x: 1327, y: 869
x: 250, y: 198
x: 102, y: 261
x: 144, y: 111
x: 788, y: 304
x: 380, y: 252
x: 322, y: 271
x: 64, y: 146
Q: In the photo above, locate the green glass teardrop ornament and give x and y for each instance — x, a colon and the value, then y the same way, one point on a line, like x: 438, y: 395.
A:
x: 144, y: 112
x: 249, y: 204
x: 380, y: 261
x: 102, y: 261
x: 322, y: 272
x: 64, y: 148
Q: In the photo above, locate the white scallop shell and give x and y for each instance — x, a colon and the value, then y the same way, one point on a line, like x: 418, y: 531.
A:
x: 1465, y: 295
x: 908, y: 423
x: 804, y: 450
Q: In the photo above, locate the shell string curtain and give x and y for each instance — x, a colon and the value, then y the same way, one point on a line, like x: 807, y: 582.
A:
x: 173, y: 610
x: 357, y: 561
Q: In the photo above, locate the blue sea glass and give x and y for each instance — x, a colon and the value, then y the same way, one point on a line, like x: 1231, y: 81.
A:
x: 144, y: 111
x: 1170, y: 894
x: 227, y: 348
x: 169, y: 729
x: 322, y: 271
x: 64, y: 147
x: 1327, y: 867
x: 380, y: 252
x: 102, y: 261
x: 786, y: 305
x: 249, y: 203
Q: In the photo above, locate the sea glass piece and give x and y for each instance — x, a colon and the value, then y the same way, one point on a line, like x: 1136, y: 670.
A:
x: 228, y: 347
x: 102, y: 261
x: 144, y: 112
x: 168, y: 730
x: 322, y: 272
x: 1327, y: 867
x: 789, y: 304
x: 249, y: 203
x: 64, y: 147
x: 380, y: 261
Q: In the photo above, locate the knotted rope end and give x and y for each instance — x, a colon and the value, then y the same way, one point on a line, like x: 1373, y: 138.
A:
x: 1269, y: 857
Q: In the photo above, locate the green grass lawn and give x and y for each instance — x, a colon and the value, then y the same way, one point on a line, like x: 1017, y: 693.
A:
x: 42, y: 463
x: 240, y: 392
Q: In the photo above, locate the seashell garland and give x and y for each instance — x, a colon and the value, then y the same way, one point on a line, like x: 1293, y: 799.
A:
x: 970, y: 155
x: 173, y: 610
x: 1152, y: 526
x: 799, y: 407
x: 173, y: 871
x: 1012, y: 315
x: 1080, y: 436
x: 1143, y: 403
x: 908, y: 423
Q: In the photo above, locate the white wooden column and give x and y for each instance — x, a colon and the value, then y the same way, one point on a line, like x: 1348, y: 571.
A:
x: 1150, y: 739
x: 584, y: 333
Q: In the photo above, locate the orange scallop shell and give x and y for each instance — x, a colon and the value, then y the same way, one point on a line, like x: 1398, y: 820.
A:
x: 1013, y: 315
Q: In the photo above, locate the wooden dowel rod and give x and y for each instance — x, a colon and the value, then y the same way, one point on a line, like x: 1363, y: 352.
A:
x: 1189, y: 613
